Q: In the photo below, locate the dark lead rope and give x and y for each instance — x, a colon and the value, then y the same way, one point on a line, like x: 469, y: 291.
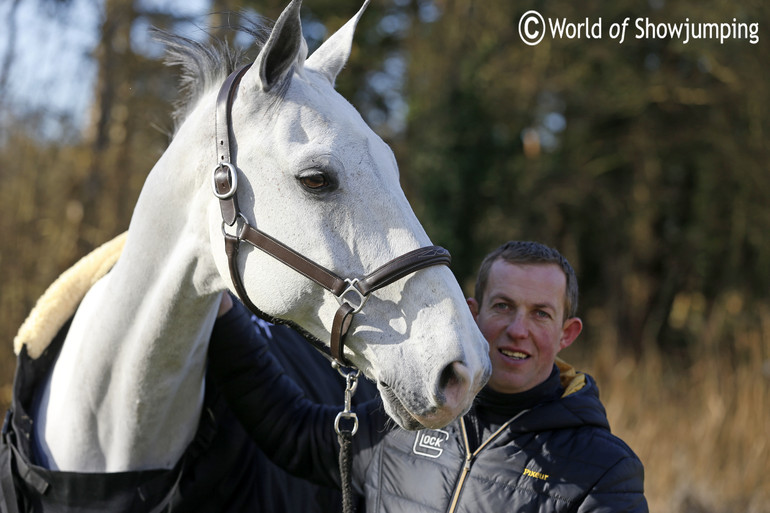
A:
x: 345, y: 439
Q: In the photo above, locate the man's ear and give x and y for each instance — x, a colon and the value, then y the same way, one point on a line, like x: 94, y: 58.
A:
x: 474, y: 306
x: 570, y: 331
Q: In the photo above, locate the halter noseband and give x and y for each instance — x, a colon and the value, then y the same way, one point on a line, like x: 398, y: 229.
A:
x: 345, y: 289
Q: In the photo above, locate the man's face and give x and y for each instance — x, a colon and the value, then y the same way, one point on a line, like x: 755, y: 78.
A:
x: 522, y: 318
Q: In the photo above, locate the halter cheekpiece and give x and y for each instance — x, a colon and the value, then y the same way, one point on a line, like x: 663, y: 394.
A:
x: 351, y: 293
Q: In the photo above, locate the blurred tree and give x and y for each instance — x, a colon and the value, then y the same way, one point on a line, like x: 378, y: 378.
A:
x: 643, y: 162
x: 6, y: 60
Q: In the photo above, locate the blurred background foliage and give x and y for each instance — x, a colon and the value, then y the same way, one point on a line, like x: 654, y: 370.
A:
x: 645, y: 163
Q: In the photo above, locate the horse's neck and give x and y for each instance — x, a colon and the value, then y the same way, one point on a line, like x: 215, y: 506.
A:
x: 126, y: 391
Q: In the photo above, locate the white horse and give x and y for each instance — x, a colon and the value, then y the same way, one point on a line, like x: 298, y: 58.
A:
x: 126, y: 391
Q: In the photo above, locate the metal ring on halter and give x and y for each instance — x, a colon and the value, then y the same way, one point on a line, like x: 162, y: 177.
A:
x: 233, y: 181
x: 352, y: 288
x: 238, y: 230
x: 349, y: 376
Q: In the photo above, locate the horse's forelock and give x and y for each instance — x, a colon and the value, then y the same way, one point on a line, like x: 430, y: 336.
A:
x: 205, y: 65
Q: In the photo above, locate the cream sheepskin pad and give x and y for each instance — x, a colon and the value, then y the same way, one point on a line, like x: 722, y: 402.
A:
x: 59, y: 301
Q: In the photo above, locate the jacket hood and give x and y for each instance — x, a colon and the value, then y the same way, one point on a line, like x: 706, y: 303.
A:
x: 578, y: 406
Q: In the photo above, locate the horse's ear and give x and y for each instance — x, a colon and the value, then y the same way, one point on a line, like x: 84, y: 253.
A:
x: 284, y: 48
x: 331, y: 56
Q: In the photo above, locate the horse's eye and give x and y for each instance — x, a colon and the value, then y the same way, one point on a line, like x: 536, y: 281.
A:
x: 315, y: 182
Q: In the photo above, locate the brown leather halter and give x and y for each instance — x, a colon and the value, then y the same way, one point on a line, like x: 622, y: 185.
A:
x: 356, y: 289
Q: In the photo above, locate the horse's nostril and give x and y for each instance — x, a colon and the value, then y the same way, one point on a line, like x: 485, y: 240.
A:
x: 448, y: 377
x: 453, y: 385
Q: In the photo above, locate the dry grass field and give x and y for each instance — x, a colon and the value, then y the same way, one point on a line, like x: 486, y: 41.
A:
x: 702, y: 430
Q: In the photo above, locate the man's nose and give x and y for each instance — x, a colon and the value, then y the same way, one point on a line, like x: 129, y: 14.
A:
x: 517, y: 327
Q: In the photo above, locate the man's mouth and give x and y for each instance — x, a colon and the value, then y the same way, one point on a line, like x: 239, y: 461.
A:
x: 516, y: 355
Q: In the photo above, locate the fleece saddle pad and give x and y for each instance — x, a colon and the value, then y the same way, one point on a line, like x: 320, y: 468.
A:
x: 59, y: 301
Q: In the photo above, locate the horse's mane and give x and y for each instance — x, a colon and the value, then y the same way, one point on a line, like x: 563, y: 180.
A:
x: 205, y: 65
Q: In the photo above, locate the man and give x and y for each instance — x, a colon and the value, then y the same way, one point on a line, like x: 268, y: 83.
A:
x: 537, y: 438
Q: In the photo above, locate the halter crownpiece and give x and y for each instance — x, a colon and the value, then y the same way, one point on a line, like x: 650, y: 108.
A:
x: 351, y: 293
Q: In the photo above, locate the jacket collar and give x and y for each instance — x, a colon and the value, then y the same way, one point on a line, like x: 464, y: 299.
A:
x: 571, y: 380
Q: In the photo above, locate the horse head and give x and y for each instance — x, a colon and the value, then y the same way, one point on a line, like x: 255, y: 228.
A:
x: 314, y: 176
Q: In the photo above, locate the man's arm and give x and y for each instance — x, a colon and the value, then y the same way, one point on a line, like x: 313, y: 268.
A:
x: 294, y: 432
x: 621, y: 489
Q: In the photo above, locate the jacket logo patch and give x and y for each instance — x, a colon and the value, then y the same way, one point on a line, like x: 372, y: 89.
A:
x: 536, y: 475
x: 430, y: 442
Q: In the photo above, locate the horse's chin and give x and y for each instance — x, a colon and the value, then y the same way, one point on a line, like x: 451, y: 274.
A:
x: 394, y: 407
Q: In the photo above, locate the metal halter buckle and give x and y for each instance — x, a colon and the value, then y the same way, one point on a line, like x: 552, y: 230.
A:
x: 233, y: 175
x: 352, y: 288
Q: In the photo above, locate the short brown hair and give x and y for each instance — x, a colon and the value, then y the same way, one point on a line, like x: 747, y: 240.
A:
x: 526, y: 252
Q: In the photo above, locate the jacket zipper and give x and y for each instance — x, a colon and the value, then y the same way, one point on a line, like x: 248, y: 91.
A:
x: 466, y: 469
x: 469, y: 456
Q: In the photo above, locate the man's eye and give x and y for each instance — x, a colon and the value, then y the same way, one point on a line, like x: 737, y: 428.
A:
x: 542, y: 314
x: 500, y: 307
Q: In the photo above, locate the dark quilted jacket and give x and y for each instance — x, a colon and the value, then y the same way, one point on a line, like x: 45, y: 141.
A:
x: 558, y: 456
